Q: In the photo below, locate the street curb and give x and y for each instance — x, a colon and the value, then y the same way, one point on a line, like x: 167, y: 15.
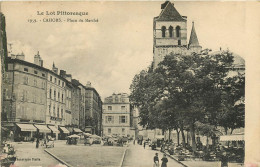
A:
x: 174, y: 159
x: 60, y: 160
x: 122, y: 160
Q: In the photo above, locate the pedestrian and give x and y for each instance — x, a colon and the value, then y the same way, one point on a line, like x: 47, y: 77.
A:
x: 156, y: 160
x: 144, y: 144
x: 164, y: 161
x: 224, y: 160
x: 37, y: 142
x: 134, y: 141
x: 45, y: 141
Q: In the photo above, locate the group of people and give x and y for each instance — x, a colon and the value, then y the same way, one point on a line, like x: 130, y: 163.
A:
x: 43, y: 141
x: 157, y: 162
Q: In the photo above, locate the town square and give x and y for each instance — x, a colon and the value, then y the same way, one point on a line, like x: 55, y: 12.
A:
x: 123, y: 84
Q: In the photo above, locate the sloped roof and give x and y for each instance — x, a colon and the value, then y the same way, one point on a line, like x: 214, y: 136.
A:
x: 238, y: 60
x: 169, y: 13
x: 193, y: 37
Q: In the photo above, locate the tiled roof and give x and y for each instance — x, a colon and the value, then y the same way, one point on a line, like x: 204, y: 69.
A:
x: 193, y: 37
x: 169, y: 13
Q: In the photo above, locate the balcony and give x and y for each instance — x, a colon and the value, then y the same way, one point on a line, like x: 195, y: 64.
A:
x: 56, y: 119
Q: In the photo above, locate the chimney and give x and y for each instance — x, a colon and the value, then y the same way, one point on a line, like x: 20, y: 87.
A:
x: 13, y: 56
x: 54, y: 69
x: 19, y: 57
x: 68, y: 77
x: 63, y: 73
x: 88, y: 84
x: 38, y: 60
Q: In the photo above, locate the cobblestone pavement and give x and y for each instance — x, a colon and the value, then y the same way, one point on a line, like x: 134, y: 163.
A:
x: 137, y: 156
x: 29, y: 156
x: 88, y: 156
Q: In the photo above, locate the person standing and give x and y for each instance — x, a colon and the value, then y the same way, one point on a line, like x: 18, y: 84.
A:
x: 164, y: 161
x: 224, y: 160
x: 37, y: 142
x: 156, y: 160
x: 144, y: 144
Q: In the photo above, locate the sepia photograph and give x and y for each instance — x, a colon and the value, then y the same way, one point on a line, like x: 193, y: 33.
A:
x: 129, y: 84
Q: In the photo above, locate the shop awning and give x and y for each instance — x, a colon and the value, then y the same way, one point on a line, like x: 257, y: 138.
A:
x: 237, y: 137
x: 77, y: 130
x: 27, y: 127
x: 43, y: 128
x: 64, y: 130
x: 54, y: 129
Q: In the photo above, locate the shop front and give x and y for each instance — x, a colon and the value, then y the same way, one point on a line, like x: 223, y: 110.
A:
x: 25, y: 132
x: 234, y: 145
x: 64, y: 133
x: 77, y: 131
x: 43, y: 131
x: 54, y: 131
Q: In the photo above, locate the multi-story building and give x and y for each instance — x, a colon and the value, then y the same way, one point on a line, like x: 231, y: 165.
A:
x: 3, y: 55
x: 24, y: 95
x: 56, y: 98
x: 75, y: 104
x: 82, y: 94
x: 72, y: 103
x: 116, y: 115
x: 93, y: 116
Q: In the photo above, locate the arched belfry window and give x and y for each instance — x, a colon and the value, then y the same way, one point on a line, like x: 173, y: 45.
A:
x: 178, y: 31
x: 163, y: 31
x: 170, y: 31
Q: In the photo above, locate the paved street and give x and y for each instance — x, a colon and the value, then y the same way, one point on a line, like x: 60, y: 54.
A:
x: 28, y: 155
x: 137, y: 156
x: 88, y: 156
x: 96, y: 155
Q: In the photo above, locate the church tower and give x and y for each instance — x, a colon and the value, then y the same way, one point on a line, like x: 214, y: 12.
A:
x: 194, y: 45
x: 170, y: 34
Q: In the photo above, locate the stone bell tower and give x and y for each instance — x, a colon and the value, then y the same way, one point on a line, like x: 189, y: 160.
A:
x: 170, y: 34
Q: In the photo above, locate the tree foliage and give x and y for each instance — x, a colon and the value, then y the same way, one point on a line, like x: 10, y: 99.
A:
x: 186, y: 89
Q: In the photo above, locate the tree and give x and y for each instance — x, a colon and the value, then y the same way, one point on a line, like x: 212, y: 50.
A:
x: 185, y: 89
x: 232, y: 115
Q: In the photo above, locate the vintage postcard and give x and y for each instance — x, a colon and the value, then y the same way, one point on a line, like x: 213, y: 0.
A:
x: 130, y: 84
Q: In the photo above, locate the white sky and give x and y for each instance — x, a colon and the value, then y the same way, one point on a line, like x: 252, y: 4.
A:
x: 109, y: 53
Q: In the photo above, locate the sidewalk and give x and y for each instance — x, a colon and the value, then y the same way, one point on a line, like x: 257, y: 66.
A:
x: 200, y: 163
x: 28, y: 155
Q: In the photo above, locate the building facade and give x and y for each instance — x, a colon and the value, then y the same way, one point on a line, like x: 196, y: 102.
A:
x: 75, y: 104
x: 38, y: 102
x: 170, y: 34
x: 116, y: 115
x: 93, y: 116
x: 3, y: 56
x: 24, y: 94
x: 56, y: 98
